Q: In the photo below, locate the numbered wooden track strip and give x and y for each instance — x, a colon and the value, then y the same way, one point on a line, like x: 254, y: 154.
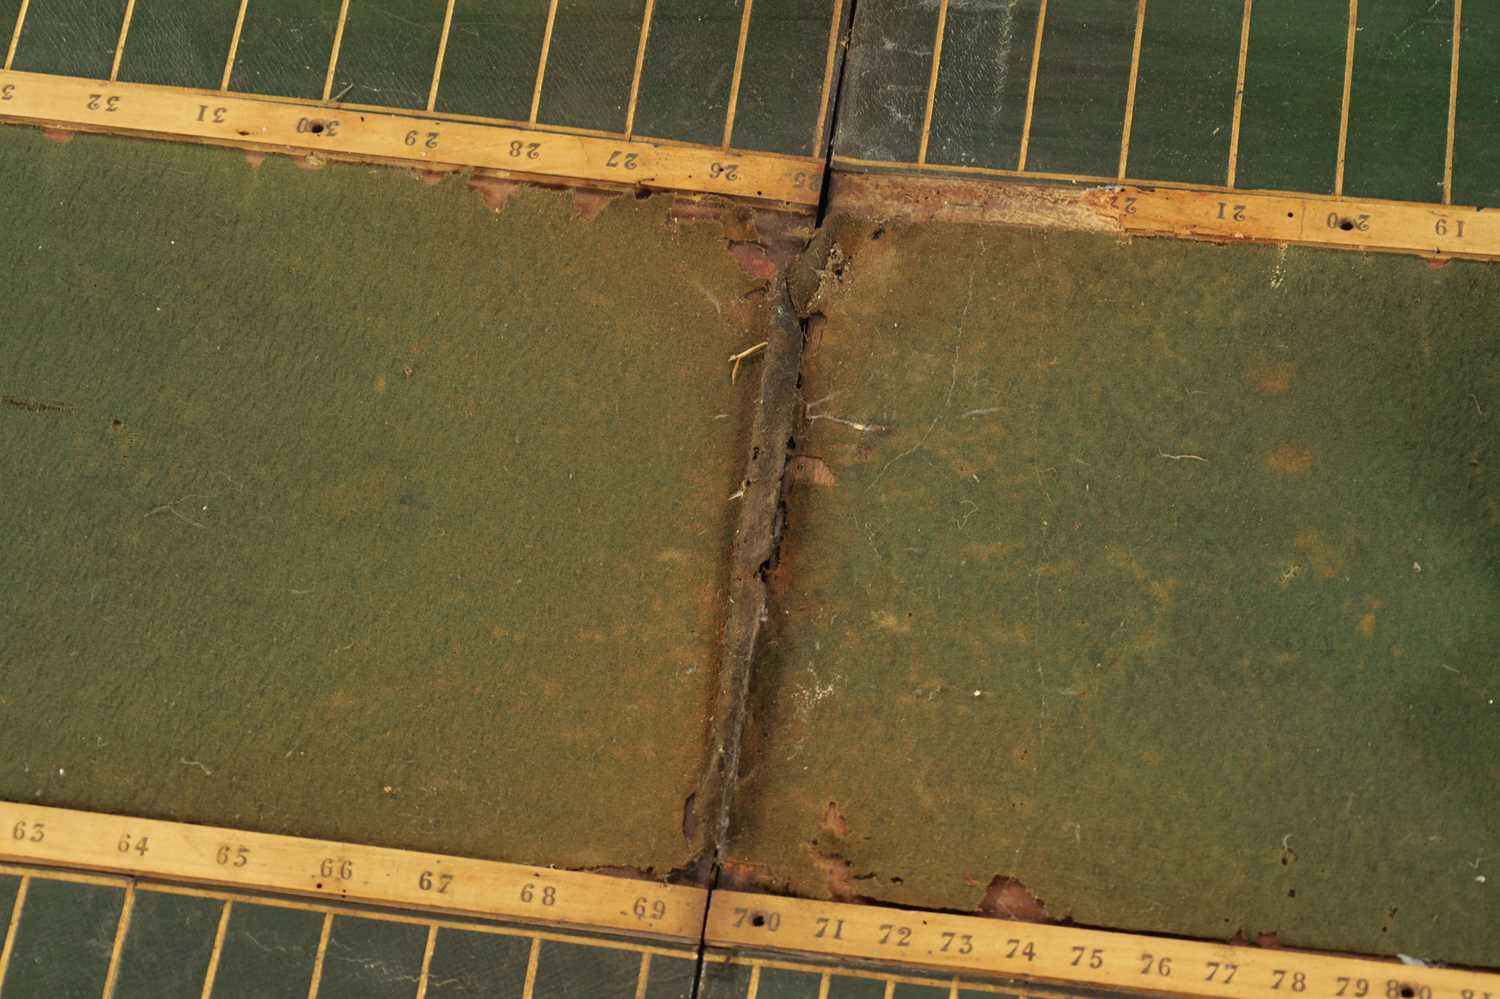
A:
x: 344, y: 872
x: 736, y: 935
x: 1204, y: 212
x: 431, y: 142
x: 967, y: 945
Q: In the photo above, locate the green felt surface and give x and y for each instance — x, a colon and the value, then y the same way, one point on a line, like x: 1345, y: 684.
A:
x: 64, y: 940
x: 1083, y: 77
x: 179, y: 45
x: 372, y: 959
x: 269, y: 953
x: 1476, y: 145
x: 490, y: 66
x: 1166, y: 589
x: 166, y: 952
x: 1294, y: 86
x: 1398, y: 107
x: 781, y: 86
x: 312, y: 527
x: 979, y: 109
x: 389, y: 51
x: 591, y: 62
x: 470, y: 965
x: 70, y: 37
x: 1184, y: 101
x: 685, y: 80
x: 284, y: 48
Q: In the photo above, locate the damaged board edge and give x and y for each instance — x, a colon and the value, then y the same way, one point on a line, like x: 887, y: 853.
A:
x: 1434, y: 231
x: 336, y: 132
x: 757, y: 539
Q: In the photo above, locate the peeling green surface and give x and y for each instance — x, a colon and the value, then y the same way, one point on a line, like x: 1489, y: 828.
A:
x: 1166, y: 586
x: 378, y: 526
x: 979, y: 109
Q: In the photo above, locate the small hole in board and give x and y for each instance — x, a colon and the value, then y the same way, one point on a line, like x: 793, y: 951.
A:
x: 1346, y: 224
x: 758, y: 920
x: 316, y: 128
x: 319, y: 886
x: 1407, y: 992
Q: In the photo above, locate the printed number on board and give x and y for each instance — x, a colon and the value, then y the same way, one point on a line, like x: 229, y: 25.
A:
x: 427, y: 140
x: 724, y: 171
x: 546, y: 895
x: 99, y: 102
x: 435, y: 882
x: 621, y: 160
x: 207, y: 112
x: 318, y: 126
x: 648, y: 909
x: 232, y: 856
x: 29, y: 832
x: 336, y: 869
x: 757, y: 918
x: 528, y: 150
x: 139, y: 845
x: 8, y: 92
x: 1349, y: 223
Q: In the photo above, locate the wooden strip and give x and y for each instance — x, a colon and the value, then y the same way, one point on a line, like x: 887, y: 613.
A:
x: 739, y: 72
x: 122, y: 930
x: 234, y: 46
x: 541, y: 63
x: 1135, y: 72
x: 643, y: 977
x: 333, y: 55
x: 1064, y: 953
x: 239, y: 120
x: 345, y: 872
x: 1338, y: 171
x: 15, y: 35
x: 114, y: 68
x: 831, y: 60
x: 529, y: 988
x: 442, y: 52
x: 1036, y: 58
x: 1239, y: 97
x: 640, y: 65
x: 754, y: 989
x: 932, y: 82
x: 319, y: 957
x: 823, y: 986
x: 10, y: 931
x: 427, y: 950
x: 1458, y: 20
x: 218, y: 950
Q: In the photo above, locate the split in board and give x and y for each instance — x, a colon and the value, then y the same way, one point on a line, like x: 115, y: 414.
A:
x: 195, y: 911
